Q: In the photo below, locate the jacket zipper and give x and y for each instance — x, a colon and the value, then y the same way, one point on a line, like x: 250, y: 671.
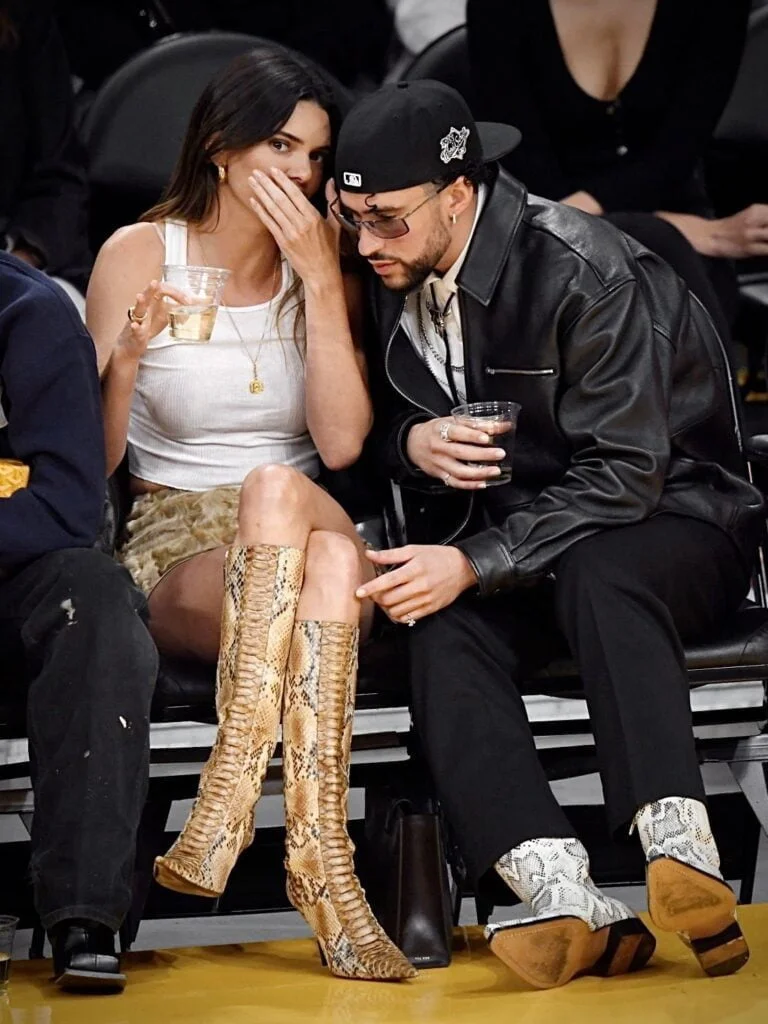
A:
x: 424, y: 408
x: 544, y: 372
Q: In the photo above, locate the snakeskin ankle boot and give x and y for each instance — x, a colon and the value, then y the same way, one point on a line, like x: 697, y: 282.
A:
x: 261, y: 592
x: 318, y: 708
x: 574, y: 929
x: 686, y: 891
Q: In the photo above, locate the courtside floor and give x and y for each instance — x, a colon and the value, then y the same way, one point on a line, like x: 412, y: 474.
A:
x: 283, y: 983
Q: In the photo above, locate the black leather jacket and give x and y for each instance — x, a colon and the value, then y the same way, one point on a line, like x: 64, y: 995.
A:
x: 627, y: 407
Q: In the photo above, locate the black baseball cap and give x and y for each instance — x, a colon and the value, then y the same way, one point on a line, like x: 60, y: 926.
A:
x: 413, y: 132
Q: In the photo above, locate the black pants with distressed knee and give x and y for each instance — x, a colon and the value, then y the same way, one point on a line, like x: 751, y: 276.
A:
x: 73, y: 624
x: 624, y: 602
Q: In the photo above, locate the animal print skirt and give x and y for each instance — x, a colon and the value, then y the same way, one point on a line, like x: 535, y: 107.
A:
x: 168, y: 526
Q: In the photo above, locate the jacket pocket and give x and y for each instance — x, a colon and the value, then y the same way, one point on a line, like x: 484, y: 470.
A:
x: 544, y: 371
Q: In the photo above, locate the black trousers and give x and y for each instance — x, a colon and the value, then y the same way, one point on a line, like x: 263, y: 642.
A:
x: 622, y: 602
x: 73, y: 623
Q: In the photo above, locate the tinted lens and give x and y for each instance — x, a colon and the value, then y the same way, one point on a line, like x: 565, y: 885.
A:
x: 395, y: 227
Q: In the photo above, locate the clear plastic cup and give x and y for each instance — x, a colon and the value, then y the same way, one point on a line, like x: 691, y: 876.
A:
x: 8, y: 926
x: 202, y: 286
x: 499, y: 420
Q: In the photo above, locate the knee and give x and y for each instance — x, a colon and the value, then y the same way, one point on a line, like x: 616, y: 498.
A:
x: 592, y: 566
x: 332, y: 556
x: 272, y: 489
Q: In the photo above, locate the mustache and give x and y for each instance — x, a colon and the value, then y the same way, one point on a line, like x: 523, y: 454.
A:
x: 381, y: 257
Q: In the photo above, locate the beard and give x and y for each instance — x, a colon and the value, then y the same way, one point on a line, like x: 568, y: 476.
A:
x: 415, y: 272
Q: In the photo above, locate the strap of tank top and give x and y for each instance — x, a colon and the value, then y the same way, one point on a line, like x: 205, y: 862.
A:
x: 176, y: 243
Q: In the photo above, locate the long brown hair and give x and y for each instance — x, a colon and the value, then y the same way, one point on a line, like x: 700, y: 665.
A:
x: 246, y: 103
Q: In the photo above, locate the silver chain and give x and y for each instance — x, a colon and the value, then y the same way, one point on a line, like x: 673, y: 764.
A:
x: 424, y: 338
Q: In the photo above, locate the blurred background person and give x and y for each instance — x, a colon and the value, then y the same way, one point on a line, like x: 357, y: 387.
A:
x: 43, y: 189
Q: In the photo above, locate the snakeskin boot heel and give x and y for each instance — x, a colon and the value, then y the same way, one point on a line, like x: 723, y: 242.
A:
x: 575, y: 929
x: 318, y: 708
x: 686, y: 891
x: 261, y: 592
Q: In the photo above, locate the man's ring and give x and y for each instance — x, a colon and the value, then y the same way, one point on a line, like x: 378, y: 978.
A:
x: 410, y: 621
x: 136, y: 319
x: 444, y: 429
x: 446, y: 478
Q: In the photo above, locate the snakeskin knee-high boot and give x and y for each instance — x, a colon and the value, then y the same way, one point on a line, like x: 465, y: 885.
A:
x: 261, y: 592
x: 686, y: 891
x: 318, y: 708
x: 575, y: 929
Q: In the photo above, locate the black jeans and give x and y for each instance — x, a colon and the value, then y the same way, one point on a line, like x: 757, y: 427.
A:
x: 622, y: 602
x: 74, y: 625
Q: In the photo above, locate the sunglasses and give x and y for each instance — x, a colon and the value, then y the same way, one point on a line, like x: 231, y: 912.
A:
x: 384, y: 227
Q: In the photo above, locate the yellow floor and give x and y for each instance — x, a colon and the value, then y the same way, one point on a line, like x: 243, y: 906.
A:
x: 283, y: 983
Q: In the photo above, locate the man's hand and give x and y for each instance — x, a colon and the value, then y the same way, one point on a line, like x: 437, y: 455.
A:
x: 429, y: 577
x: 446, y: 450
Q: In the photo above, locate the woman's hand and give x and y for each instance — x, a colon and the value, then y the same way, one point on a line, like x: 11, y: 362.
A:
x: 150, y: 317
x: 743, y: 234
x: 583, y: 201
x: 309, y: 241
x: 443, y: 448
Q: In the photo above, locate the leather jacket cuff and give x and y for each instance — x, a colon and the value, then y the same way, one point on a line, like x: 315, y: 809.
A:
x: 401, y: 443
x: 492, y: 562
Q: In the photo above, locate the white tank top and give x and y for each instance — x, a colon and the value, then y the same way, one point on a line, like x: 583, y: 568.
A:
x: 194, y: 422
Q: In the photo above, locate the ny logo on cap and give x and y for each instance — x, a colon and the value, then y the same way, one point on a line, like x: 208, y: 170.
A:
x: 454, y: 145
x: 355, y: 180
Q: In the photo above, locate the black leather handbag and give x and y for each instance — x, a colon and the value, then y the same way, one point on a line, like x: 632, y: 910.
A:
x: 408, y: 883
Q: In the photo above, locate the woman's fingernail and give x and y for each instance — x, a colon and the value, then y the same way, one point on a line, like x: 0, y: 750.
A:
x: 496, y: 471
x: 360, y: 592
x: 499, y: 453
x: 483, y: 484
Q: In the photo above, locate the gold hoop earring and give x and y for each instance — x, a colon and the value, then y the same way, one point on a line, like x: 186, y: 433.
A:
x: 222, y: 173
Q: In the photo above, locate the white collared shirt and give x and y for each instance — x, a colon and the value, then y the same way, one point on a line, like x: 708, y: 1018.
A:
x: 430, y: 347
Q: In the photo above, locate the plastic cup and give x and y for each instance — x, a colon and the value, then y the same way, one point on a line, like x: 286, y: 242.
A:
x: 7, y: 934
x: 499, y: 420
x: 202, y: 286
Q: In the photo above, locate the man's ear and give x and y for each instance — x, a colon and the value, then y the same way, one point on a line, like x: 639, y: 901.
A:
x: 460, y: 194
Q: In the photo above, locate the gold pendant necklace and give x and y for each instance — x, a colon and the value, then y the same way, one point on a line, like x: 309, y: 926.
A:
x: 256, y: 384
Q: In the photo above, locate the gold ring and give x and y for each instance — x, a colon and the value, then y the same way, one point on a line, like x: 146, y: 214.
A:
x: 136, y: 319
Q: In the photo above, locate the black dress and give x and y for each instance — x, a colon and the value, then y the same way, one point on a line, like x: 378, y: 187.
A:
x: 638, y: 152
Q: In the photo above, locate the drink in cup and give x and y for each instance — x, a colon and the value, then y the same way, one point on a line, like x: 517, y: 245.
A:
x: 499, y: 421
x: 7, y: 933
x: 202, y: 286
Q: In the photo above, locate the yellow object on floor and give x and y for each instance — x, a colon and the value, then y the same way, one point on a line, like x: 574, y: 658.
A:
x: 284, y: 983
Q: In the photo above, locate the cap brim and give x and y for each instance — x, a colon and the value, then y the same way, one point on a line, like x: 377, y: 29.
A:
x: 497, y: 139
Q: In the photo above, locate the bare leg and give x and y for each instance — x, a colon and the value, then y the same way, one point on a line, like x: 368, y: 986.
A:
x: 280, y: 506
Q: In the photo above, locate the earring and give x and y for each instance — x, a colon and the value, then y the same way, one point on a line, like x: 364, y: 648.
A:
x: 222, y: 173
x: 453, y: 218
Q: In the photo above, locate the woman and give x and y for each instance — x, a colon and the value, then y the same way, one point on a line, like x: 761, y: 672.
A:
x: 245, y: 556
x: 617, y: 103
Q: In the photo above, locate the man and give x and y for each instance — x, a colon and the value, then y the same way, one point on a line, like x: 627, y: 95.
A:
x: 72, y: 624
x: 625, y: 529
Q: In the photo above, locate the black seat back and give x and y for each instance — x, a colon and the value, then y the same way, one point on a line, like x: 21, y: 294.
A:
x: 446, y: 60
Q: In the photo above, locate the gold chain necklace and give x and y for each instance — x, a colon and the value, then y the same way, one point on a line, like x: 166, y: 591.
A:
x: 256, y: 385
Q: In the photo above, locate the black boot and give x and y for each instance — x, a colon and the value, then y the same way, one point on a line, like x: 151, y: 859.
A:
x: 84, y: 958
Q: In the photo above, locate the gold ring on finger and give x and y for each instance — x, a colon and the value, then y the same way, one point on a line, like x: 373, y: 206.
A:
x: 136, y: 319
